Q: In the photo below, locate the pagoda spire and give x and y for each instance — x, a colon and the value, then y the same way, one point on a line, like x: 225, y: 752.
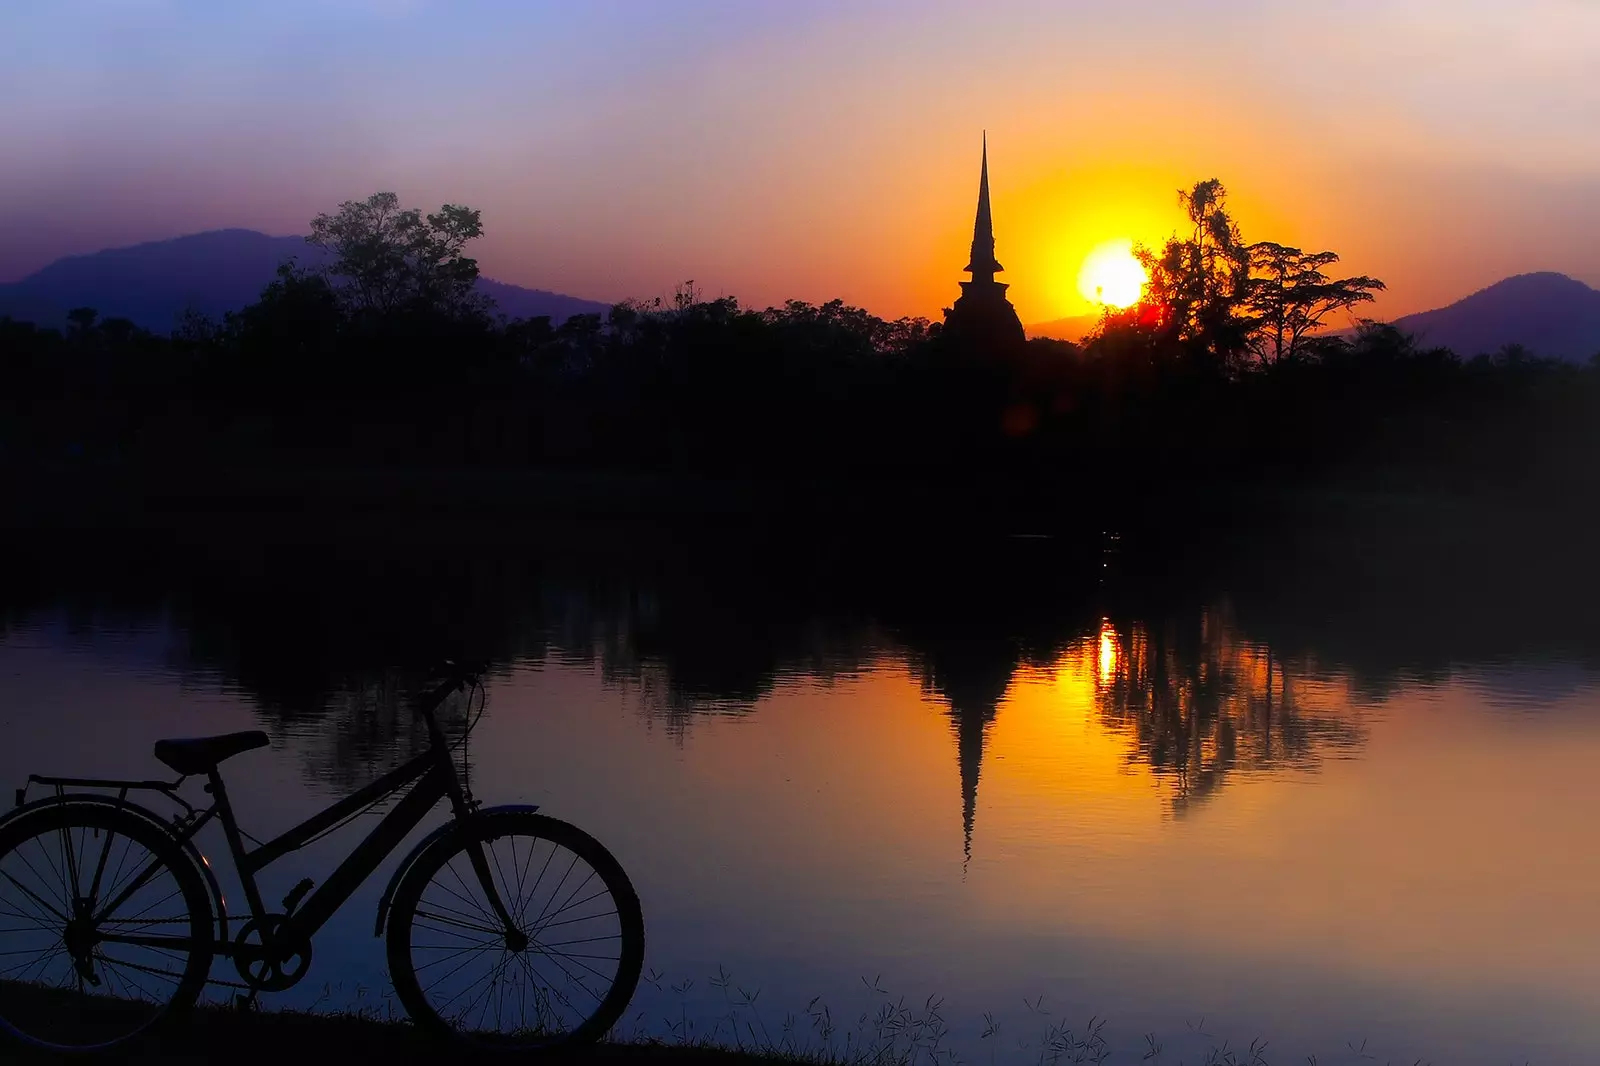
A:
x: 982, y: 320
x: 983, y: 265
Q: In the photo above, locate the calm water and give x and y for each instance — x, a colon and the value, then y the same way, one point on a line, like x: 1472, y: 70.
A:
x: 1323, y: 798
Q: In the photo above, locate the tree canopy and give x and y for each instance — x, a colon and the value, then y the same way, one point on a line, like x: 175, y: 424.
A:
x: 387, y: 260
x: 1227, y: 303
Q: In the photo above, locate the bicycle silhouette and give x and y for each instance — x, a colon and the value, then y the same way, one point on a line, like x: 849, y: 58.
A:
x: 504, y: 927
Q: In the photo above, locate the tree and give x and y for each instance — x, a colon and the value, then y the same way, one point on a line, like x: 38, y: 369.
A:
x: 297, y: 315
x: 1290, y: 296
x: 80, y: 320
x: 388, y: 260
x: 1197, y: 284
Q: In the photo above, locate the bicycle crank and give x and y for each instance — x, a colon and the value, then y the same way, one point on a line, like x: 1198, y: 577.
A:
x: 274, y: 968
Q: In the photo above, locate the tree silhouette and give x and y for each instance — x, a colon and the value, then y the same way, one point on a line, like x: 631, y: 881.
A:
x: 388, y: 260
x: 1199, y: 282
x: 1290, y: 297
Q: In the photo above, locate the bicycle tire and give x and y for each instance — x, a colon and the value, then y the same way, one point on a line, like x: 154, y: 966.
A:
x: 46, y: 999
x: 512, y: 843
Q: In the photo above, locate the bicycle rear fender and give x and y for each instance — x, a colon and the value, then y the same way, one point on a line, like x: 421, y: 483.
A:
x: 219, y: 905
x: 424, y: 844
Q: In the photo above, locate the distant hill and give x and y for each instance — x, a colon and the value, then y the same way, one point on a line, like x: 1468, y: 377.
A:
x: 212, y: 272
x: 1073, y: 328
x: 1549, y: 314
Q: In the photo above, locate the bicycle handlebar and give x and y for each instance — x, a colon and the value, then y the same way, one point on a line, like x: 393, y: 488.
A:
x: 457, y: 677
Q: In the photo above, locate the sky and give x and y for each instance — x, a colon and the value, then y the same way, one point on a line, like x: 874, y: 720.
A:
x: 812, y: 149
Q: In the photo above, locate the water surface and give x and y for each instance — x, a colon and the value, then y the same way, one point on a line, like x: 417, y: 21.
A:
x: 1320, y: 804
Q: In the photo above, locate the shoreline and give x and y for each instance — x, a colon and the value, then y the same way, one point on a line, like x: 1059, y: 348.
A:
x: 244, y: 1038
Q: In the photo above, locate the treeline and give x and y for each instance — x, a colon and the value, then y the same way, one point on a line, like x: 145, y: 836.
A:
x: 388, y: 358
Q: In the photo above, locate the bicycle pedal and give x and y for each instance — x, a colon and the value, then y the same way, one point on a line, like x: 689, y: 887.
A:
x: 296, y: 894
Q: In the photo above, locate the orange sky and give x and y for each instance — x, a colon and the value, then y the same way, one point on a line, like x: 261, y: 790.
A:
x: 773, y: 150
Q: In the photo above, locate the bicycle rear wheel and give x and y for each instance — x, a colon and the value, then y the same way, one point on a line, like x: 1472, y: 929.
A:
x: 568, y: 974
x: 105, y: 927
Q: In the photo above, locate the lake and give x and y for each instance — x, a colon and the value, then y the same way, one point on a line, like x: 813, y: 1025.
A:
x: 1331, y: 789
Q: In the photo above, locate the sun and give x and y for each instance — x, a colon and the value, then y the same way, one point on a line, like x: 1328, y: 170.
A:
x: 1112, y: 276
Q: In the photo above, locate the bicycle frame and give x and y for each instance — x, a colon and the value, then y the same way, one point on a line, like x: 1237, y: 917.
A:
x: 434, y: 776
x: 433, y: 783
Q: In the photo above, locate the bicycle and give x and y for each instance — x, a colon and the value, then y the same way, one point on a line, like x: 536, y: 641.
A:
x: 110, y: 917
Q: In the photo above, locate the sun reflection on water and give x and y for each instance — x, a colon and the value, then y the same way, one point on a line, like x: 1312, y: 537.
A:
x: 1108, y: 652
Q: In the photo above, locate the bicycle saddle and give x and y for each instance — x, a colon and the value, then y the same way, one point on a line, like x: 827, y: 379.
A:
x: 200, y: 755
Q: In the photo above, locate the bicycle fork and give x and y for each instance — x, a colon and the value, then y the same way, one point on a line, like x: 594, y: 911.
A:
x: 516, y: 939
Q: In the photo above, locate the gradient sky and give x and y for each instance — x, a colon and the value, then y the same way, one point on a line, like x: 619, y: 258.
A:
x: 772, y: 149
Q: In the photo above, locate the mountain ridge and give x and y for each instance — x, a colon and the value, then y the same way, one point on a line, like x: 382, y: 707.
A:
x: 1548, y: 313
x: 212, y: 272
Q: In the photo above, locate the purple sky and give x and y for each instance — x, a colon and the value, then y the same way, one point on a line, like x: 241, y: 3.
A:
x: 817, y: 148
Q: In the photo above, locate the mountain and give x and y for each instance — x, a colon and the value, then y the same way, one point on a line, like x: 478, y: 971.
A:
x: 1073, y: 328
x: 1549, y: 314
x: 212, y: 272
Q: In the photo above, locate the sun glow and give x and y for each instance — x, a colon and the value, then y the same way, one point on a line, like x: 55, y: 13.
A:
x: 1112, y: 276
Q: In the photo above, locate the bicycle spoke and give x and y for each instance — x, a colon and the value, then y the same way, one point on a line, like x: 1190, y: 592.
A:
x: 490, y: 988
x: 100, y: 866
x: 122, y: 861
x: 455, y: 954
x: 572, y: 978
x: 448, y: 927
x: 582, y: 917
x: 120, y: 893
x: 69, y: 861
x: 475, y: 952
x: 451, y: 1001
x: 23, y: 916
x: 539, y: 924
x: 31, y: 894
x: 66, y: 899
x: 559, y: 886
x: 557, y: 956
x: 457, y: 923
x: 550, y: 986
x: 105, y: 968
x: 534, y: 891
x: 522, y: 870
x: 584, y: 940
x: 43, y: 961
x: 134, y: 885
x: 464, y: 899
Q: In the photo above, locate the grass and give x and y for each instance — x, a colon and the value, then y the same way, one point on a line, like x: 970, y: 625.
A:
x: 888, y: 1031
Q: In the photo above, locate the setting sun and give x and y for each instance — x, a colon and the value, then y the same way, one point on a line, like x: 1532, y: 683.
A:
x: 1111, y: 275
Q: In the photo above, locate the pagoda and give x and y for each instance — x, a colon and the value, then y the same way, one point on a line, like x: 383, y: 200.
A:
x: 982, y: 318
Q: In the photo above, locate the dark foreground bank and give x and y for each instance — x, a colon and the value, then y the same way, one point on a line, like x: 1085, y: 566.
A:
x: 235, y: 1038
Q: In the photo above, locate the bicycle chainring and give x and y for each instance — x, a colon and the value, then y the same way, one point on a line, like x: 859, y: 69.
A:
x: 273, y: 971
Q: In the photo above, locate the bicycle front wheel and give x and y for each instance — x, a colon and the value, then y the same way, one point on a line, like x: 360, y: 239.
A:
x: 105, y: 927
x: 563, y: 976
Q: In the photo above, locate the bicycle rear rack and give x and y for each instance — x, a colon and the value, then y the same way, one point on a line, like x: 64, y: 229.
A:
x: 123, y: 787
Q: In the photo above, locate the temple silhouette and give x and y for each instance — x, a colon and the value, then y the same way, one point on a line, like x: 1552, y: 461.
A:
x: 982, y: 319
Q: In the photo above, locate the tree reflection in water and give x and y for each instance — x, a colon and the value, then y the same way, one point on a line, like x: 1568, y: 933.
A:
x: 1198, y: 703
x: 329, y: 637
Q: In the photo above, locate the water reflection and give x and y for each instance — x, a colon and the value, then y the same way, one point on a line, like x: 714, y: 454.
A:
x: 329, y: 637
x: 1086, y: 731
x: 1199, y: 702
